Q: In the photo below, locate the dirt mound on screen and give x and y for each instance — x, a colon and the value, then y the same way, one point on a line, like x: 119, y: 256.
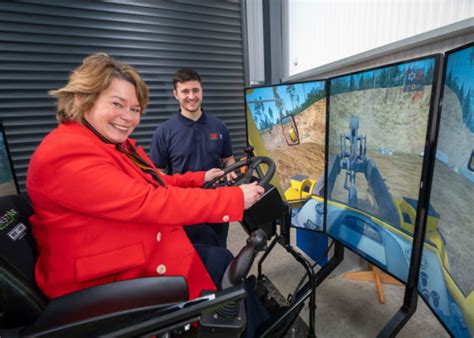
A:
x: 455, y: 140
x: 389, y: 117
x: 311, y: 125
x: 304, y: 159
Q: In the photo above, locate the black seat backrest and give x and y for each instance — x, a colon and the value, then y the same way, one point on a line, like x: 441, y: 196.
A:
x: 20, y: 299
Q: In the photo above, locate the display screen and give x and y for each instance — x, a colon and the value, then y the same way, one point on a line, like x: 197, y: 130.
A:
x: 8, y: 185
x: 287, y: 123
x: 378, y: 123
x: 446, y: 280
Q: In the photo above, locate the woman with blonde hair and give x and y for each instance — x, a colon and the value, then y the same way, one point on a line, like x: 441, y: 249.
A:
x: 103, y: 212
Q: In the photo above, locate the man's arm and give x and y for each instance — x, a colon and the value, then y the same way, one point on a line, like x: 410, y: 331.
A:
x: 227, y: 158
x: 227, y: 161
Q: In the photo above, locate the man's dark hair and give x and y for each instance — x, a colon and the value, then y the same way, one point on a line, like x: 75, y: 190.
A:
x: 184, y: 75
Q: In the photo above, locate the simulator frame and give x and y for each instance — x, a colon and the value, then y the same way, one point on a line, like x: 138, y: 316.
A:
x: 415, y: 219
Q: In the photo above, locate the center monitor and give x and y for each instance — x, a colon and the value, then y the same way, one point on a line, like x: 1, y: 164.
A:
x: 378, y: 124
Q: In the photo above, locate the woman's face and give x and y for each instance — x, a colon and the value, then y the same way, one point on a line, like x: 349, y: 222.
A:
x: 116, y: 112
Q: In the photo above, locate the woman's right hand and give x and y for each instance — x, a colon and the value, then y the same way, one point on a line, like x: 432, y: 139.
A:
x: 252, y: 194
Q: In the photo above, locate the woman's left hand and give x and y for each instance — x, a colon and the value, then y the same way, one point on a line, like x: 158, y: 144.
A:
x: 212, y: 173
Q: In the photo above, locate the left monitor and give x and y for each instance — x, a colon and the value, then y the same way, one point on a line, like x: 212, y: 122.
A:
x: 287, y: 122
x: 8, y: 183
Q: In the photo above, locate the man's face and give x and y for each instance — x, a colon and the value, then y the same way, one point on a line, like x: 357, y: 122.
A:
x: 189, y: 96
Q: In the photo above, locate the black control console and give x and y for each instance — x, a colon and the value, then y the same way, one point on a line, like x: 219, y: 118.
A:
x: 262, y: 215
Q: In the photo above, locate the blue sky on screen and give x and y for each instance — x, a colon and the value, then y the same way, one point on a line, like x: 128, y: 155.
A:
x: 402, y: 67
x: 266, y: 94
x: 462, y: 67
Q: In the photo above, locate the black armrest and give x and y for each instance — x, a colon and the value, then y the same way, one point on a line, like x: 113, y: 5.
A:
x: 165, y: 320
x: 91, y: 311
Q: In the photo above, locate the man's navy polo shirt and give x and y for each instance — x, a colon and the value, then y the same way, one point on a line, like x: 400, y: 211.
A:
x: 181, y: 144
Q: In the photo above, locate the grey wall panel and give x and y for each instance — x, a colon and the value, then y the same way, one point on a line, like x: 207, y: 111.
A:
x: 435, y: 41
x: 42, y: 41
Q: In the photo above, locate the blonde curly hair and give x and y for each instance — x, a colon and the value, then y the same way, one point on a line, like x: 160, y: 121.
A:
x: 88, y: 80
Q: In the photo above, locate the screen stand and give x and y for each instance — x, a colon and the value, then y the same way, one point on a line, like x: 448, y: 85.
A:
x: 373, y: 275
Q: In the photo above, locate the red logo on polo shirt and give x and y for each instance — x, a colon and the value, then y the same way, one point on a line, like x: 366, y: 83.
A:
x: 215, y: 136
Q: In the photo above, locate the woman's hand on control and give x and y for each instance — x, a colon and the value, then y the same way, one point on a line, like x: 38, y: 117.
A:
x: 252, y: 194
x: 212, y: 173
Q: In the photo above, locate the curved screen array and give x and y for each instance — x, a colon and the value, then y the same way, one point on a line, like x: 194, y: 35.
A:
x: 446, y: 280
x: 377, y: 125
x: 8, y: 183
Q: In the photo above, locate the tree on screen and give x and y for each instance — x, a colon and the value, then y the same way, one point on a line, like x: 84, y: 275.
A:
x: 259, y: 111
x: 270, y: 114
x: 278, y: 102
x: 290, y: 89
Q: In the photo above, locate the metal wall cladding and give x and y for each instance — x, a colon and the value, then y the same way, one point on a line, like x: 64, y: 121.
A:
x: 41, y: 42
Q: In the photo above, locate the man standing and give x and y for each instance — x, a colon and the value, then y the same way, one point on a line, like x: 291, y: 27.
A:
x: 193, y: 141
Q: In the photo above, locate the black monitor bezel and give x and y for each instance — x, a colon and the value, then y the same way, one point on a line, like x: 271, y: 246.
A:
x: 10, y: 160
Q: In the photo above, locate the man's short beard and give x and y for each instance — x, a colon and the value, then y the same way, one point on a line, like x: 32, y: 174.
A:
x: 194, y: 110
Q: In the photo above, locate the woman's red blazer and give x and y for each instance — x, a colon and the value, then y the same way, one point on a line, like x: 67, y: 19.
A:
x: 99, y: 218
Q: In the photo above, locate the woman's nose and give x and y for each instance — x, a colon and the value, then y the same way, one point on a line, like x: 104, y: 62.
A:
x: 126, y: 115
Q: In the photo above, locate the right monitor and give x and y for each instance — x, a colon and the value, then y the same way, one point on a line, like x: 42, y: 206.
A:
x: 377, y: 127
x: 446, y: 279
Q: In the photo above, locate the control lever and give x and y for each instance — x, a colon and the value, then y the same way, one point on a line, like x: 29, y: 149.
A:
x: 249, y: 151
x: 238, y: 269
x: 230, y: 320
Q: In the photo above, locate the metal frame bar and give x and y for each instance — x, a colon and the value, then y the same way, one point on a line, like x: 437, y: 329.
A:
x: 309, y: 289
x: 272, y: 40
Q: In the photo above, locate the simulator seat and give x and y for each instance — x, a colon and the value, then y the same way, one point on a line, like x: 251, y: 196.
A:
x: 80, y: 313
